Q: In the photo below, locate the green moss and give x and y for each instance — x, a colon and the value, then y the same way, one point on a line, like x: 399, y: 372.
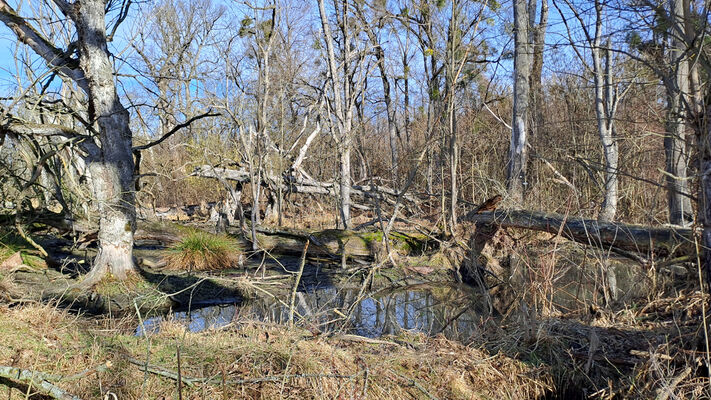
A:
x: 404, y: 243
x: 370, y: 237
x: 11, y: 243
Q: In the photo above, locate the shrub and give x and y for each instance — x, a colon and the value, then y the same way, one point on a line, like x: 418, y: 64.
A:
x: 202, y: 251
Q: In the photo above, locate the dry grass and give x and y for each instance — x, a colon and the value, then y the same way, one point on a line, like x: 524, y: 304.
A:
x: 8, y: 289
x: 202, y: 251
x: 42, y: 338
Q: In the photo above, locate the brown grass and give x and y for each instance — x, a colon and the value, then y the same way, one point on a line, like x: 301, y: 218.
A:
x: 42, y: 338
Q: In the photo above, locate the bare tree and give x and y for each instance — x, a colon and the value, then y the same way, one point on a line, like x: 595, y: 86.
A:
x: 518, y: 151
x: 607, y: 97
x: 109, y: 159
x: 347, y: 85
x: 390, y: 107
x: 538, y: 43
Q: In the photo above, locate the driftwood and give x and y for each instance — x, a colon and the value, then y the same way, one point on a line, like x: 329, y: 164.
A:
x: 660, y: 242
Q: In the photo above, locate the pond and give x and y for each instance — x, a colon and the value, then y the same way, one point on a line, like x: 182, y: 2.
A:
x: 457, y: 311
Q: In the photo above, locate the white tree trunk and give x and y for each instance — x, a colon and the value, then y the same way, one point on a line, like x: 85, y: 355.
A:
x: 112, y: 168
x: 604, y: 110
x: 518, y: 153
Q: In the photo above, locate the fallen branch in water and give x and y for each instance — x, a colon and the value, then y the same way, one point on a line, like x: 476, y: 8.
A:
x: 296, y: 283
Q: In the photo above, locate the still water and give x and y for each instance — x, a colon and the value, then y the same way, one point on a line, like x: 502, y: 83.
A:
x: 457, y: 311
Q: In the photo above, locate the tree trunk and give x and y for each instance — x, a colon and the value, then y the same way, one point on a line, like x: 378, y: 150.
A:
x: 704, y: 202
x: 608, y: 209
x: 680, y: 212
x: 539, y: 35
x: 111, y: 164
x: 453, y: 46
x: 111, y: 169
x: 345, y: 187
x: 662, y: 241
x: 392, y: 121
x: 518, y: 153
x: 604, y: 101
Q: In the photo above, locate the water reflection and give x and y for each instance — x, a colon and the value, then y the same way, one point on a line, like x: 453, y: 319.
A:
x: 454, y: 310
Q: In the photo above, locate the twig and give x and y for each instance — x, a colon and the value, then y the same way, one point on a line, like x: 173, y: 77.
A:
x: 28, y: 239
x: 156, y: 370
x: 180, y: 381
x: 673, y: 384
x: 166, y: 373
x: 363, y: 339
x: 296, y: 283
x: 419, y: 387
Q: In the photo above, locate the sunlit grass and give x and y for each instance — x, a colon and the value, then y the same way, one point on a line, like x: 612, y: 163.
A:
x: 11, y: 243
x: 49, y: 340
x: 202, y: 251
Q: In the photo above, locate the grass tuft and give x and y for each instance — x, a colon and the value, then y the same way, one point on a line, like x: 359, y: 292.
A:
x: 202, y: 251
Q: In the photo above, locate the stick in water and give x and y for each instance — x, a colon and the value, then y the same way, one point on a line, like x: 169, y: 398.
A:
x: 296, y: 284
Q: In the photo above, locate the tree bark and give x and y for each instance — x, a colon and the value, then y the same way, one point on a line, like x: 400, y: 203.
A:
x: 704, y: 143
x: 538, y: 41
x: 603, y: 100
x: 518, y: 152
x: 112, y: 169
x: 662, y: 242
x: 680, y: 212
x: 111, y: 164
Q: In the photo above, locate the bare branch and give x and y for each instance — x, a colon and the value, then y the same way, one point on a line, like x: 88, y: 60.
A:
x: 53, y: 56
x: 174, y: 130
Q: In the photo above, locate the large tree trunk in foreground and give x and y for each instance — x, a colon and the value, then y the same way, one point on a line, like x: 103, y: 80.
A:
x: 112, y: 170
x: 659, y: 242
x: 110, y: 164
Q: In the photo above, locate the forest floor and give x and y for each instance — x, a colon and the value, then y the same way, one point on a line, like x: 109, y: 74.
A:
x: 641, y: 347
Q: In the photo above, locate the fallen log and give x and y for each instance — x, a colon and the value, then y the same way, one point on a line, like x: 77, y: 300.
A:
x: 334, y: 243
x: 657, y: 242
x: 294, y: 184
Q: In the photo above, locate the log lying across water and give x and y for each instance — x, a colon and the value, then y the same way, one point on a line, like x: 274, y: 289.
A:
x: 659, y: 242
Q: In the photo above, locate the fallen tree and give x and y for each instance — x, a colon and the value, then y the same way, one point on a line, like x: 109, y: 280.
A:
x: 652, y: 242
x: 295, y: 184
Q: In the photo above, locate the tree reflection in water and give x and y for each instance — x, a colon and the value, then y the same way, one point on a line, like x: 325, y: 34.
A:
x: 456, y: 311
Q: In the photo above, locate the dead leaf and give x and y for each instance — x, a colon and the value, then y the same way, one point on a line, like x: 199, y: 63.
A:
x: 423, y: 270
x: 11, y: 262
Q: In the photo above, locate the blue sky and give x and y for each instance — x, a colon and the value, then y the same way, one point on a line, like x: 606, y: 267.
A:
x: 556, y: 40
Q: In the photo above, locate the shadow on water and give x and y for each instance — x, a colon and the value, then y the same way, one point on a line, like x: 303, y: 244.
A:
x: 456, y: 311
